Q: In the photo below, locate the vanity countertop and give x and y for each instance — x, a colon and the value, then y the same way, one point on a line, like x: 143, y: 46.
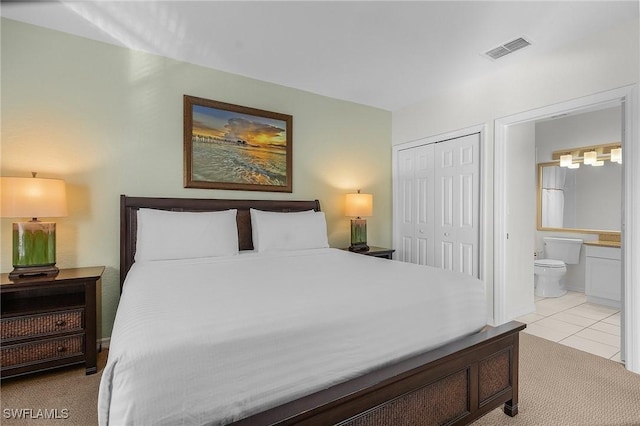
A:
x: 600, y: 243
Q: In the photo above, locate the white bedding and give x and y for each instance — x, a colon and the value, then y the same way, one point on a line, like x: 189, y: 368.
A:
x: 210, y: 341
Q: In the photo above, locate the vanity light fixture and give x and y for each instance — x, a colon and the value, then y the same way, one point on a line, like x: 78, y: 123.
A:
x: 616, y: 155
x: 590, y: 157
x: 565, y: 160
x: 594, y: 155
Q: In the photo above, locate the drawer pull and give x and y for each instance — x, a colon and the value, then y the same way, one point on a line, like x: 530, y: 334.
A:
x: 61, y: 349
x: 60, y: 323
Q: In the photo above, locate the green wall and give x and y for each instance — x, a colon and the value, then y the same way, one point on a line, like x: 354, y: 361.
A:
x: 108, y: 120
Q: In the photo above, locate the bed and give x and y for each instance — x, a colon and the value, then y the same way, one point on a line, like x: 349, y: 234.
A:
x: 322, y: 377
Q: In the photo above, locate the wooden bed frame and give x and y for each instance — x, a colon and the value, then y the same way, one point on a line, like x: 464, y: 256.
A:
x: 452, y: 385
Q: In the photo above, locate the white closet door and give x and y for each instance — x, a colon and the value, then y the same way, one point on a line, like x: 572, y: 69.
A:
x: 457, y: 171
x: 438, y: 204
x: 415, y: 205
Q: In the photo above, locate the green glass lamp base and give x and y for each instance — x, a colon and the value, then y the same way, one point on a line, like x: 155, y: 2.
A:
x: 34, y: 249
x: 358, y: 235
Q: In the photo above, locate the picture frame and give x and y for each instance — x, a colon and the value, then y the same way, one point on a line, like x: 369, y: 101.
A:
x: 234, y: 147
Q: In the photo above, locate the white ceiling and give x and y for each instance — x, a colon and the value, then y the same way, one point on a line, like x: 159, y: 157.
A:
x: 387, y: 54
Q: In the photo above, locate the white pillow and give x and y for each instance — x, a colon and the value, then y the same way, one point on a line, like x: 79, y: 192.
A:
x: 164, y: 235
x: 274, y: 231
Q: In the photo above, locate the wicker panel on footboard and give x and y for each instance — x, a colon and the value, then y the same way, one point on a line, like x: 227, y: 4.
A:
x: 438, y: 403
x: 451, y: 385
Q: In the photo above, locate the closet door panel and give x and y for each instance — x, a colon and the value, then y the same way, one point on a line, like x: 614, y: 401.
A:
x: 446, y: 258
x: 467, y: 206
x: 416, y: 205
x: 425, y: 207
x: 405, y: 251
x: 466, y: 256
x: 405, y: 221
x: 423, y: 252
x: 456, y: 222
x: 446, y: 201
x: 437, y: 209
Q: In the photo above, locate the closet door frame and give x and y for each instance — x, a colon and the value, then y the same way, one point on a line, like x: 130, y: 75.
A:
x: 481, y: 129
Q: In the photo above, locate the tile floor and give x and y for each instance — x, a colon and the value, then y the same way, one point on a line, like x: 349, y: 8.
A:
x: 572, y: 321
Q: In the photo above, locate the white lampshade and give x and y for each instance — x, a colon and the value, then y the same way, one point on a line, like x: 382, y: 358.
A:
x: 359, y: 205
x: 33, y: 197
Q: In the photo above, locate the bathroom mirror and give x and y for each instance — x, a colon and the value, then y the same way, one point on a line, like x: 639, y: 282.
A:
x: 587, y: 199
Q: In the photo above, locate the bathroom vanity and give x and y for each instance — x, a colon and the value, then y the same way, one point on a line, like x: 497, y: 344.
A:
x: 603, y: 273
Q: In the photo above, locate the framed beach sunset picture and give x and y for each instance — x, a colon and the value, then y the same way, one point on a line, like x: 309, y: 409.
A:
x: 229, y: 146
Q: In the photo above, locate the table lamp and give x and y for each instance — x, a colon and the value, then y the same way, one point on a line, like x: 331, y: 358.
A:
x: 34, y: 242
x: 359, y: 205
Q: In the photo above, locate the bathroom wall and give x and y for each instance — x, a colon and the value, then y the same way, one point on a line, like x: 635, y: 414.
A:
x: 572, y: 131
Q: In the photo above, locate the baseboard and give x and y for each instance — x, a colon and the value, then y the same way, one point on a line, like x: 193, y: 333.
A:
x: 602, y: 301
x: 524, y: 310
x: 104, y: 343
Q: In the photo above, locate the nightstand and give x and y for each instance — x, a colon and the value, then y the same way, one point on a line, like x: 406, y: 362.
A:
x: 50, y: 322
x: 384, y: 253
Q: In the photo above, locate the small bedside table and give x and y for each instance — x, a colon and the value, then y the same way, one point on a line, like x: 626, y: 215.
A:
x: 50, y: 322
x: 382, y: 252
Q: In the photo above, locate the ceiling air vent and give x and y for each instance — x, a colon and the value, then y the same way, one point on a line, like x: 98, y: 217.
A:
x: 507, y: 48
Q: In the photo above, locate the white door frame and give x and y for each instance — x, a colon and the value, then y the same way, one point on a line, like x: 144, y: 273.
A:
x: 628, y: 96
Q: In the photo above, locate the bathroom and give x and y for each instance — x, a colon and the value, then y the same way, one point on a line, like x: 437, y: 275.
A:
x: 579, y: 209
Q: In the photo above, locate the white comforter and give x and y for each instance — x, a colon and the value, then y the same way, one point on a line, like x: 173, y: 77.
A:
x: 210, y: 341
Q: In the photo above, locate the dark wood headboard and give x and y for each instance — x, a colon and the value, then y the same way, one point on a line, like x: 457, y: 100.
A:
x: 129, y: 224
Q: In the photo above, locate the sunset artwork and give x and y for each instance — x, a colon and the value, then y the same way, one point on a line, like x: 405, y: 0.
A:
x: 233, y: 147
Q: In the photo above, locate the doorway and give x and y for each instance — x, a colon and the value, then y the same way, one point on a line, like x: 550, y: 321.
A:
x: 627, y: 98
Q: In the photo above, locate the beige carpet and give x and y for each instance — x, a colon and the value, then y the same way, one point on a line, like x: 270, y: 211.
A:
x: 559, y: 386
x: 562, y: 386
x: 64, y: 389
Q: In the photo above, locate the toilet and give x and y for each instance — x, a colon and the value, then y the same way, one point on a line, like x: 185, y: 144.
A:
x: 549, y: 272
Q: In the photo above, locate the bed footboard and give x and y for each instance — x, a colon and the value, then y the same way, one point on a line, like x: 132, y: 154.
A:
x: 451, y: 385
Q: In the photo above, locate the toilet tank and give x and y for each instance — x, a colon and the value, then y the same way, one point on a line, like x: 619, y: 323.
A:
x: 565, y: 249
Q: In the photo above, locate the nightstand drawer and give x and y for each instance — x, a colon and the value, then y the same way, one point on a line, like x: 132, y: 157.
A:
x: 43, y: 324
x: 50, y: 321
x: 42, y: 350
